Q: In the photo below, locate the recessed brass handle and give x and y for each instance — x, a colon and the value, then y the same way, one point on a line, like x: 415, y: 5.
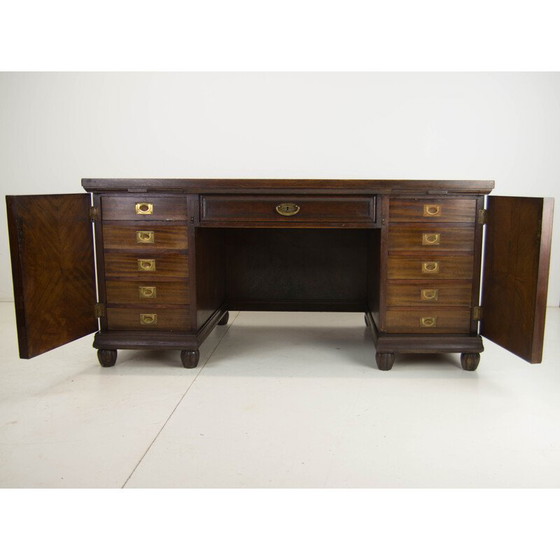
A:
x: 431, y: 238
x: 148, y: 318
x: 144, y: 208
x: 147, y: 265
x: 430, y: 267
x: 145, y: 237
x: 428, y: 322
x: 145, y: 292
x: 431, y: 210
x: 287, y: 209
x: 429, y: 294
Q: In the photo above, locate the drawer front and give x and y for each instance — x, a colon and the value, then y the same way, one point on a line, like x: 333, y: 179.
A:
x: 144, y: 207
x: 428, y: 320
x: 141, y: 292
x: 459, y: 267
x: 289, y: 209
x: 426, y: 237
x: 144, y: 237
x: 432, y: 210
x: 146, y: 266
x: 429, y: 293
x: 146, y: 318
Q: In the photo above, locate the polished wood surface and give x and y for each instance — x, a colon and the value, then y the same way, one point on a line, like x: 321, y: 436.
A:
x: 432, y: 210
x: 53, y: 270
x: 123, y: 207
x: 174, y: 255
x: 517, y: 257
x: 341, y: 211
x: 145, y: 237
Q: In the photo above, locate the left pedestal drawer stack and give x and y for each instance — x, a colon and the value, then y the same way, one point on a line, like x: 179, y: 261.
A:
x: 144, y: 273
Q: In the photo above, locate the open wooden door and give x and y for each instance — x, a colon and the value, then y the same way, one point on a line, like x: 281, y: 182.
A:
x: 515, y: 277
x: 51, y: 245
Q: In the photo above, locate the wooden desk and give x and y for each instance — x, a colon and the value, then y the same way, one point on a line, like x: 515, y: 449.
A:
x: 173, y: 256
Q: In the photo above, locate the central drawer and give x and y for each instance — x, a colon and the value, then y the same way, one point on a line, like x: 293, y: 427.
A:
x: 338, y: 211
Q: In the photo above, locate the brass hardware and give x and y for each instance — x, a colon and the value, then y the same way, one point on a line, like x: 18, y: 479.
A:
x: 287, y: 209
x: 145, y: 292
x: 477, y: 313
x: 430, y: 267
x: 99, y: 310
x: 93, y: 213
x: 148, y: 318
x: 483, y: 217
x: 147, y: 265
x: 144, y: 208
x: 431, y: 210
x: 145, y: 237
x: 429, y: 295
x: 428, y: 322
x: 431, y: 238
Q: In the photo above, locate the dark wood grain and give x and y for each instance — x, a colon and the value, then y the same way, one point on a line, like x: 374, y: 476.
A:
x: 301, y: 186
x: 51, y: 244
x: 435, y: 238
x: 125, y: 238
x: 451, y: 209
x: 135, y: 292
x: 238, y: 211
x: 165, y: 208
x: 515, y: 281
x: 459, y: 267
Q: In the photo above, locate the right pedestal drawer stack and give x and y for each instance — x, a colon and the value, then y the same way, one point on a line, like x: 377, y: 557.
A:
x: 430, y: 265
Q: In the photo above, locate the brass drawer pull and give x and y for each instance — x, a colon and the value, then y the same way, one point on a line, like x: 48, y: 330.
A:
x: 429, y: 295
x: 147, y: 265
x: 431, y: 210
x: 431, y: 238
x: 430, y: 267
x: 287, y: 209
x: 428, y: 322
x: 148, y: 318
x: 145, y: 237
x: 146, y: 292
x: 144, y: 208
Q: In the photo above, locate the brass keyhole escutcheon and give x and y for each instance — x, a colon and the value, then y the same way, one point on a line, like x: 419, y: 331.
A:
x: 431, y: 210
x: 144, y: 208
x: 429, y: 294
x: 148, y: 318
x: 145, y: 237
x: 430, y: 267
x: 287, y: 209
x: 431, y: 238
x: 428, y: 322
x: 146, y: 265
x: 146, y: 292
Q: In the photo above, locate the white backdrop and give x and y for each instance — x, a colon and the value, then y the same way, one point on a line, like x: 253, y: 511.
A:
x: 56, y: 128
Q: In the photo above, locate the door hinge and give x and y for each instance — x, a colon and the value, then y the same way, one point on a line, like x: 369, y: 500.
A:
x: 477, y: 313
x: 99, y: 310
x: 93, y: 213
x: 483, y: 216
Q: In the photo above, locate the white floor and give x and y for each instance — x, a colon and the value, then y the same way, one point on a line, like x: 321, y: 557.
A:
x: 278, y: 400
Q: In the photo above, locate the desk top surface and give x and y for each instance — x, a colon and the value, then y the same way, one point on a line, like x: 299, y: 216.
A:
x: 301, y: 186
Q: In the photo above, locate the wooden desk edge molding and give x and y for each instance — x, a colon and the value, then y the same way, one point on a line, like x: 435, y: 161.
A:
x: 172, y: 257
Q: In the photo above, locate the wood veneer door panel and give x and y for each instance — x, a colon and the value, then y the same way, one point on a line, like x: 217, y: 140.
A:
x: 515, y: 279
x: 51, y: 244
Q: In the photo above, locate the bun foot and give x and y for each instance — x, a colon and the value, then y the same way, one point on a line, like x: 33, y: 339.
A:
x: 469, y: 362
x: 190, y: 358
x: 224, y: 319
x: 107, y: 358
x: 385, y: 360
